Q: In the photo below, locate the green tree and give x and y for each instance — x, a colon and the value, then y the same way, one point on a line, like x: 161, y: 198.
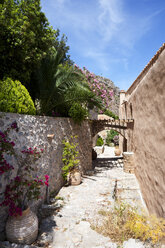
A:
x: 60, y: 86
x: 60, y: 45
x: 78, y: 113
x: 26, y: 37
x: 62, y: 58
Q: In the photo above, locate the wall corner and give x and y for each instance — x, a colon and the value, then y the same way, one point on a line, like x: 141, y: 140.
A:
x: 122, y: 99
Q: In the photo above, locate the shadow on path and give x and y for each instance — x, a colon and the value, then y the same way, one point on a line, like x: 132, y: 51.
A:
x: 105, y: 162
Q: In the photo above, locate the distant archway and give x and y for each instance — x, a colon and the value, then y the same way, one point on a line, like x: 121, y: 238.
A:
x: 124, y: 143
x: 118, y: 125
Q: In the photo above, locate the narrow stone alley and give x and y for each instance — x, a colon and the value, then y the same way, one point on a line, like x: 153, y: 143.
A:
x: 68, y: 220
x: 82, y: 203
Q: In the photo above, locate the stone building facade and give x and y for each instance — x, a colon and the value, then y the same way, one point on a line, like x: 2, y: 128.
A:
x: 144, y: 102
x: 46, y: 133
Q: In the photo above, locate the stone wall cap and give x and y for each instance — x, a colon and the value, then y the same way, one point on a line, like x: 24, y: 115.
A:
x: 104, y: 117
x: 128, y: 153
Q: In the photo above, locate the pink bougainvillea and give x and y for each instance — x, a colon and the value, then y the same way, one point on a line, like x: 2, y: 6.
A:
x: 100, y: 89
x: 24, y: 187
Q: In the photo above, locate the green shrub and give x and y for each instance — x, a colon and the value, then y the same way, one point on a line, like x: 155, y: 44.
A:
x: 110, y: 136
x: 69, y: 156
x: 15, y: 98
x: 111, y: 114
x: 99, y: 141
x: 78, y: 113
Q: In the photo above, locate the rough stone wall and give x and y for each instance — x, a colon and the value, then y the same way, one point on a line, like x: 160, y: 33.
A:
x: 147, y: 139
x: 33, y: 131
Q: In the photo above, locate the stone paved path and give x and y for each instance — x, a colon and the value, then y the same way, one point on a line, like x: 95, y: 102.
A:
x: 82, y: 203
x: 71, y: 227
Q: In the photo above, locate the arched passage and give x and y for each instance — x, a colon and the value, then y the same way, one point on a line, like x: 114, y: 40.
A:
x: 118, y: 125
x: 103, y: 135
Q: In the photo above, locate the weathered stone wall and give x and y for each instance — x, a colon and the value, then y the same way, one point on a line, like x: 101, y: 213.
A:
x: 32, y: 132
x: 128, y: 162
x: 146, y: 101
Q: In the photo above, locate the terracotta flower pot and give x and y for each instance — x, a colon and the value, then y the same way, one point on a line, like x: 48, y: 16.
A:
x: 117, y: 151
x: 22, y: 229
x: 75, y: 178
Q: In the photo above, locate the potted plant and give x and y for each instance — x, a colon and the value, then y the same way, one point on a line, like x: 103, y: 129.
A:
x: 116, y: 142
x: 71, y: 171
x: 22, y: 224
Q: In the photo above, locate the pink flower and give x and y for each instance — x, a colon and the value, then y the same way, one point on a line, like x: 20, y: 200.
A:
x: 47, y: 177
x: 47, y: 180
x: 46, y: 183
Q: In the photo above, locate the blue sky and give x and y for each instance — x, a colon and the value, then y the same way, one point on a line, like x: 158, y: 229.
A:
x: 112, y: 38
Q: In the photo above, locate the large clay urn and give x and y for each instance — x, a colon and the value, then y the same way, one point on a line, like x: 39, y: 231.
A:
x: 22, y: 229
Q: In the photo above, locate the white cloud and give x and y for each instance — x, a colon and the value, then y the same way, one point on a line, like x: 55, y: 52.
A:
x: 101, y: 23
x: 106, y: 61
x: 110, y: 17
x: 72, y: 15
x: 111, y: 8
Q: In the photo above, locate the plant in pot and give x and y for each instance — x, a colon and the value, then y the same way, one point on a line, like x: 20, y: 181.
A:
x: 22, y: 224
x: 71, y: 171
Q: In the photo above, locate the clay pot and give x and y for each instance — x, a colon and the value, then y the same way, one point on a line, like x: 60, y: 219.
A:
x: 117, y: 151
x: 75, y: 178
x: 22, y: 229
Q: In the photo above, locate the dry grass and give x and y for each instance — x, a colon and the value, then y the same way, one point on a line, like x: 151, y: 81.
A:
x: 124, y: 222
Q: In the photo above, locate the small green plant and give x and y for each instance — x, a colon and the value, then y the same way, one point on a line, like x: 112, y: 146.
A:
x: 78, y: 113
x: 99, y: 141
x: 15, y: 98
x: 59, y: 198
x: 69, y: 156
x: 124, y: 222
